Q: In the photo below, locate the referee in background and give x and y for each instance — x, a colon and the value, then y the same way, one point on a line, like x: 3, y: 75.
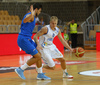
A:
x: 73, y: 32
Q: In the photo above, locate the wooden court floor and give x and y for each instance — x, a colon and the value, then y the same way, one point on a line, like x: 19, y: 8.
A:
x: 90, y: 61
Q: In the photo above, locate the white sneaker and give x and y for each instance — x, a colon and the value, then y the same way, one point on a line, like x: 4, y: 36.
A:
x: 66, y: 75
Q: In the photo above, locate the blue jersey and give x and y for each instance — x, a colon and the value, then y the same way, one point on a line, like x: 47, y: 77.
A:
x: 24, y: 39
x: 27, y: 28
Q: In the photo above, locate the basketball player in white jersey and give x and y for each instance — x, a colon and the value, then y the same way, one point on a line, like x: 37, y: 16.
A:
x: 47, y: 49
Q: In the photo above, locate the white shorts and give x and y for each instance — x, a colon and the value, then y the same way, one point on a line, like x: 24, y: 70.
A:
x: 48, y: 53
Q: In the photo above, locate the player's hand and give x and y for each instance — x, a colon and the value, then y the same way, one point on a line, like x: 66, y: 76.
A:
x: 72, y: 50
x: 32, y: 11
x: 39, y: 47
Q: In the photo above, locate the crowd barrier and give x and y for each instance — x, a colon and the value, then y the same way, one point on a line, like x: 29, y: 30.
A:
x: 8, y: 44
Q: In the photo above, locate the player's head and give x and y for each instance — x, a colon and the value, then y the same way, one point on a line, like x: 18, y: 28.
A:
x: 64, y: 31
x: 53, y: 21
x: 38, y: 8
x: 73, y: 21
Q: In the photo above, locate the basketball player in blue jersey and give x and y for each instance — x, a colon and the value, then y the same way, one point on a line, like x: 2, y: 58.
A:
x: 25, y: 42
x: 49, y: 50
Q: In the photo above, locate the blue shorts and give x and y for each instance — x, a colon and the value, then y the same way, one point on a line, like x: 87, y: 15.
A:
x: 27, y: 45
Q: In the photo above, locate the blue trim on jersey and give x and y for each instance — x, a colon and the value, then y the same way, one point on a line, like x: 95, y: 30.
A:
x: 43, y: 42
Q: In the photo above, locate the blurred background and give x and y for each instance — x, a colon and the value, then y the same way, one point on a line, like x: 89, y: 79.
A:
x: 86, y: 13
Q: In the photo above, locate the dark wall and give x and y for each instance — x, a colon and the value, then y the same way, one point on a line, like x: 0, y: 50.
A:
x: 65, y: 11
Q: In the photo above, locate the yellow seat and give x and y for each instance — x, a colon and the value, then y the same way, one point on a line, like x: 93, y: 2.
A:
x: 12, y: 17
x: 19, y: 22
x: 6, y: 17
x: 9, y: 18
x: 97, y: 27
x: 6, y: 12
x: 12, y: 22
x: 5, y: 22
x: 16, y: 22
x: 1, y: 17
x: 9, y: 22
x: 13, y: 29
x: 1, y: 22
x: 92, y: 34
x: 10, y: 29
x: 17, y: 17
x: 1, y: 12
x: 3, y: 29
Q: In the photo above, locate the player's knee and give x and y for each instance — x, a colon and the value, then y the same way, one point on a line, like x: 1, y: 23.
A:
x: 37, y: 56
x: 62, y: 60
x: 52, y: 67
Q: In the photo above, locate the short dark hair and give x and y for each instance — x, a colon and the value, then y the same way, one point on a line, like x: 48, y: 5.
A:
x: 37, y: 5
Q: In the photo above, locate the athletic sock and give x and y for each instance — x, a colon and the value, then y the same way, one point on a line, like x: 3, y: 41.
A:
x: 39, y: 70
x: 23, y: 67
x: 65, y: 71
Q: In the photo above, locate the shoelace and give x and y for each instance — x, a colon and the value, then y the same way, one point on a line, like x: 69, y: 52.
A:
x: 66, y: 73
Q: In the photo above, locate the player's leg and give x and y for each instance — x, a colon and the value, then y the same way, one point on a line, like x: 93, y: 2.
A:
x: 39, y: 70
x: 63, y: 66
x: 29, y: 48
x: 39, y: 67
x: 47, y: 67
x: 58, y: 55
x: 63, y: 63
x: 31, y: 61
x: 46, y: 56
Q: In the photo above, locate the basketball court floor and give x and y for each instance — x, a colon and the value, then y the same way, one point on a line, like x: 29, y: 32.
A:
x: 86, y: 70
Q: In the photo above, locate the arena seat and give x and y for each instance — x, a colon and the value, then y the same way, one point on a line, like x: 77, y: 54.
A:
x: 5, y: 22
x: 13, y: 29
x: 19, y: 22
x: 17, y: 17
x: 1, y: 18
x: 3, y: 29
x: 1, y: 22
x: 92, y: 34
x: 5, y: 12
x: 1, y: 12
x: 9, y: 18
x: 6, y: 17
x: 96, y: 27
x: 12, y: 17
x: 12, y: 22
x: 9, y: 22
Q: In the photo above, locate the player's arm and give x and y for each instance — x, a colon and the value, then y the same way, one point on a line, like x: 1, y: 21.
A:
x: 38, y: 34
x: 30, y: 17
x: 63, y: 41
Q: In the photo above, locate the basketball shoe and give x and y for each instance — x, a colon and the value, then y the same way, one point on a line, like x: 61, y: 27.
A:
x: 66, y: 75
x: 19, y: 71
x: 41, y: 76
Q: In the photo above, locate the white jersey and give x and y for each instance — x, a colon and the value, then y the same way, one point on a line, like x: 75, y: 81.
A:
x: 47, y: 39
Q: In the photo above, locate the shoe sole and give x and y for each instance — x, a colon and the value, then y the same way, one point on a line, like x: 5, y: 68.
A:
x: 68, y: 77
x: 19, y: 75
x: 43, y: 79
